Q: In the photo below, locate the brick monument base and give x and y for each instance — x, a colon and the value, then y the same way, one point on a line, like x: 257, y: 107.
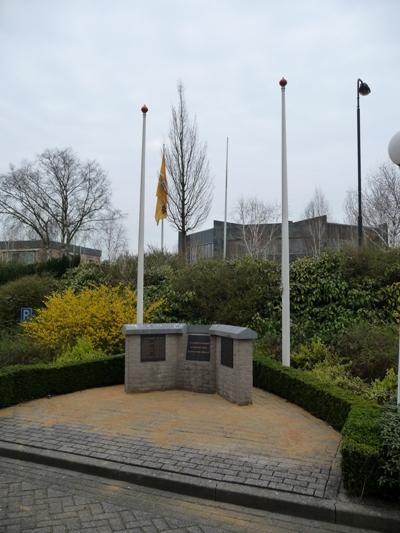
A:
x: 217, y: 358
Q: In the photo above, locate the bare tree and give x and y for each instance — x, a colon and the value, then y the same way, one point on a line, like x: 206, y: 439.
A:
x: 350, y: 207
x: 382, y: 201
x: 189, y: 187
x: 259, y: 225
x: 316, y: 212
x: 11, y: 230
x: 56, y: 196
x: 380, y: 205
x: 111, y: 235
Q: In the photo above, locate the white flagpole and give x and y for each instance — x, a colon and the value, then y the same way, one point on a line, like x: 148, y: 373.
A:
x: 140, y: 270
x: 226, y: 195
x: 162, y: 220
x: 285, y: 242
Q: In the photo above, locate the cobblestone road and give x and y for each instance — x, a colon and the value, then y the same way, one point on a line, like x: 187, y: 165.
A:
x: 38, y: 499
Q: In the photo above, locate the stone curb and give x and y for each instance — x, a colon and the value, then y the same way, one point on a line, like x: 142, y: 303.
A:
x: 309, y: 507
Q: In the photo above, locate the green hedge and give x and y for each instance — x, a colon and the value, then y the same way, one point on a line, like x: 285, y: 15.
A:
x: 357, y: 419
x: 328, y: 403
x: 27, y: 382
x: 361, y: 457
x: 55, y: 266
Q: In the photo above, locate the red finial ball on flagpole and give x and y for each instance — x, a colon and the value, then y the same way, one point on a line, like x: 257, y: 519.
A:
x: 283, y: 82
x: 144, y: 109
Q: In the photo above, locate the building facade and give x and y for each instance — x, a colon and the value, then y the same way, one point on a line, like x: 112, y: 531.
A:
x: 307, y: 237
x: 28, y: 252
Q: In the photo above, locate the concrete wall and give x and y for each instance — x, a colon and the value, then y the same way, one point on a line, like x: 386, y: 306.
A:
x: 177, y: 372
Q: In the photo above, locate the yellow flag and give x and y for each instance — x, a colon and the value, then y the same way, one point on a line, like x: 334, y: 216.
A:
x: 162, y: 194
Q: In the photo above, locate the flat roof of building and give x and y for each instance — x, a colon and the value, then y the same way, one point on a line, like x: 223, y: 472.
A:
x: 37, y: 244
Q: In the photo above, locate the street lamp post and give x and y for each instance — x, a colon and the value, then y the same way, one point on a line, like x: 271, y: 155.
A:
x: 394, y: 154
x: 363, y: 89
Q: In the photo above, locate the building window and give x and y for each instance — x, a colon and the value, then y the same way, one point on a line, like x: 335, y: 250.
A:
x: 23, y: 257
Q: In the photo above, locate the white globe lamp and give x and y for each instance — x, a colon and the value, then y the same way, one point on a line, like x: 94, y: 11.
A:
x: 394, y: 148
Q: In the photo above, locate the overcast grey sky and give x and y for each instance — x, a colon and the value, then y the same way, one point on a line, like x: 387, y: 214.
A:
x: 76, y: 73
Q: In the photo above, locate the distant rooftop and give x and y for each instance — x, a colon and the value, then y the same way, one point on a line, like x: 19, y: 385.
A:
x: 39, y: 245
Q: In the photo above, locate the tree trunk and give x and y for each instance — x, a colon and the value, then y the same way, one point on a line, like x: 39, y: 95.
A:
x: 182, y: 244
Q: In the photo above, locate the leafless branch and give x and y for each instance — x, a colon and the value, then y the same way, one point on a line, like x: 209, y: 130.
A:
x: 56, y: 195
x: 259, y: 225
x: 315, y: 211
x: 380, y: 204
x: 189, y: 187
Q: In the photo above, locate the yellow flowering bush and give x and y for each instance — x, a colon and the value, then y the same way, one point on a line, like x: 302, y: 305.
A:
x: 96, y: 314
x: 82, y: 351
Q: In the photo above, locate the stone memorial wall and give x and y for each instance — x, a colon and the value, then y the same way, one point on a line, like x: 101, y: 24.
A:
x: 217, y: 358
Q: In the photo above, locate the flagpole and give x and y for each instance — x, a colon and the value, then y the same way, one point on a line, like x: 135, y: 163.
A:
x: 285, y: 242
x: 226, y: 195
x: 140, y: 270
x: 162, y: 220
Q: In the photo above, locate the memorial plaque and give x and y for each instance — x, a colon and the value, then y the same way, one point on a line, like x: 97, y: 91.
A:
x: 227, y: 352
x: 152, y: 348
x: 198, y: 348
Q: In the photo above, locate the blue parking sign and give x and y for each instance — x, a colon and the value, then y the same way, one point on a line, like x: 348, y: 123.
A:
x: 26, y: 312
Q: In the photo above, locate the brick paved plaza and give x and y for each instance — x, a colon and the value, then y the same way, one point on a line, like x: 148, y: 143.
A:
x: 270, y: 444
x: 246, y: 463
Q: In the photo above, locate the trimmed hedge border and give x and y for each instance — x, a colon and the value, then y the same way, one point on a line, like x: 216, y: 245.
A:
x: 21, y: 383
x: 357, y: 419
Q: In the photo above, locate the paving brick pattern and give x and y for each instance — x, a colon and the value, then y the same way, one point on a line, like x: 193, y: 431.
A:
x: 33, y: 504
x: 41, y: 499
x: 278, y: 473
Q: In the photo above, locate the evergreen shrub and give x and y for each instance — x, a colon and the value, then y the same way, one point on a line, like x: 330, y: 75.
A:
x: 329, y: 403
x: 23, y: 383
x: 390, y: 450
x: 310, y: 354
x: 329, y: 294
x: 371, y: 349
x: 82, y: 351
x: 384, y: 390
x: 360, y: 449
x: 18, y: 349
x: 358, y: 420
x: 230, y: 292
x: 11, y: 271
x: 28, y: 291
x: 54, y: 266
x: 85, y: 275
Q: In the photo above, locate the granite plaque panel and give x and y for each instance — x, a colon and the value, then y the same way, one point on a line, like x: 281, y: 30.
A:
x: 227, y: 352
x: 152, y: 348
x: 198, y: 348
